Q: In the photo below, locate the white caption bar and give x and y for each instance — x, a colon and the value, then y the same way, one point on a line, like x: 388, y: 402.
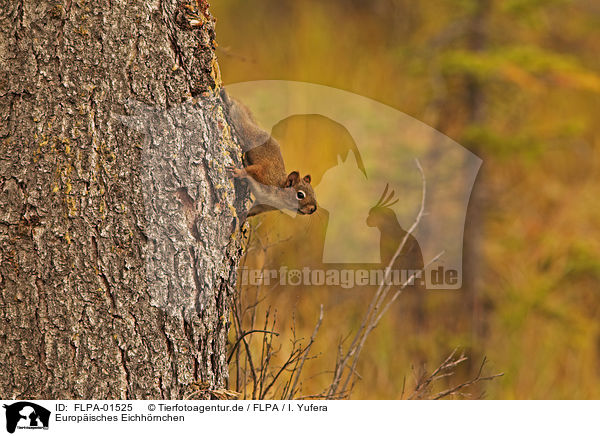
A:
x: 24, y: 417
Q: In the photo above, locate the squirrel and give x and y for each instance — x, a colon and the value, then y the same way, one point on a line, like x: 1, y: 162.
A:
x: 264, y: 168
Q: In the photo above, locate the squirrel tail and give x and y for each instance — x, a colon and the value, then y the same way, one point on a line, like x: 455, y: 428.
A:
x: 225, y: 97
x: 241, y: 119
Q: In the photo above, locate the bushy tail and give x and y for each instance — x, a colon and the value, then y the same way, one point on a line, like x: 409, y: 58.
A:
x: 241, y: 119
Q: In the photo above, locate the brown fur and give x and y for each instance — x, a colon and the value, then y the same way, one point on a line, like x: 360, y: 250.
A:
x: 264, y: 164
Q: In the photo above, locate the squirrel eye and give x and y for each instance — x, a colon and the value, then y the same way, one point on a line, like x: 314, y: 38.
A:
x: 300, y: 195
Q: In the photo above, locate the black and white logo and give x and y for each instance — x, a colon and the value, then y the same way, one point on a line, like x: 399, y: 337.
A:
x: 26, y: 415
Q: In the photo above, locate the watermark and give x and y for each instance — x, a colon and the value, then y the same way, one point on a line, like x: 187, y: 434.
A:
x: 383, y: 181
x: 390, y: 192
x: 347, y: 278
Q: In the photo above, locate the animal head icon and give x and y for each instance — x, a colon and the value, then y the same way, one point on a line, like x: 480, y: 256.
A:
x: 382, y: 212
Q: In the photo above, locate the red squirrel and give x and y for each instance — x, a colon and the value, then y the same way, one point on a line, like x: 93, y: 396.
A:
x: 264, y: 169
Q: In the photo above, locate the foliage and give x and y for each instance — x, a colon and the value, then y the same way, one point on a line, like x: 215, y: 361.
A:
x: 535, y: 68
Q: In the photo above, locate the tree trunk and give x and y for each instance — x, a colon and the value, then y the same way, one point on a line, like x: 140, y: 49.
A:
x: 117, y: 219
x: 475, y: 106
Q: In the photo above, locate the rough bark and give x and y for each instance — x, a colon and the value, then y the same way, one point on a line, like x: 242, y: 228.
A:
x: 117, y: 219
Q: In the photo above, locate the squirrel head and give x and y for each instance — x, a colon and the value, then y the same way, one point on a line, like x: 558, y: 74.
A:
x: 307, y: 203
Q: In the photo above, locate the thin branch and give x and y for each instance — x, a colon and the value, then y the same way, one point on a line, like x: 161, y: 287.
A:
x: 477, y: 379
x: 243, y: 336
x: 375, y: 311
x: 298, y: 369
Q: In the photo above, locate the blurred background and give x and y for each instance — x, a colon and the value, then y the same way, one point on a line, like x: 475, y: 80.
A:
x: 517, y: 82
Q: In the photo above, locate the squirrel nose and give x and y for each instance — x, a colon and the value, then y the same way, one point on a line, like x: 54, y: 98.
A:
x: 312, y: 208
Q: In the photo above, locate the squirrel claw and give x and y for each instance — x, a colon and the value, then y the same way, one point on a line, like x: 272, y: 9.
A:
x: 235, y: 172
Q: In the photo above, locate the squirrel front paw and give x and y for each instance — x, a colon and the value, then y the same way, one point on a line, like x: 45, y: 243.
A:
x: 237, y: 173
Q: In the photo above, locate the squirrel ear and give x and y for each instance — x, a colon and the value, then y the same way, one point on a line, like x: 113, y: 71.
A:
x: 292, y: 178
x: 307, y: 178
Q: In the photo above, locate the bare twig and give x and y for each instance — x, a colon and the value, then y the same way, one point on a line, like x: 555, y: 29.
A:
x: 242, y: 336
x: 345, y: 369
x: 477, y: 379
x: 298, y: 369
x: 265, y: 374
x: 425, y: 381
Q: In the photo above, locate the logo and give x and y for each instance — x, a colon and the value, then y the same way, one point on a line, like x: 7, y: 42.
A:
x: 26, y: 415
x: 392, y: 192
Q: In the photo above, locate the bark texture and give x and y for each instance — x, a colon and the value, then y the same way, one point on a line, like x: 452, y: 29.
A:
x: 118, y: 242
